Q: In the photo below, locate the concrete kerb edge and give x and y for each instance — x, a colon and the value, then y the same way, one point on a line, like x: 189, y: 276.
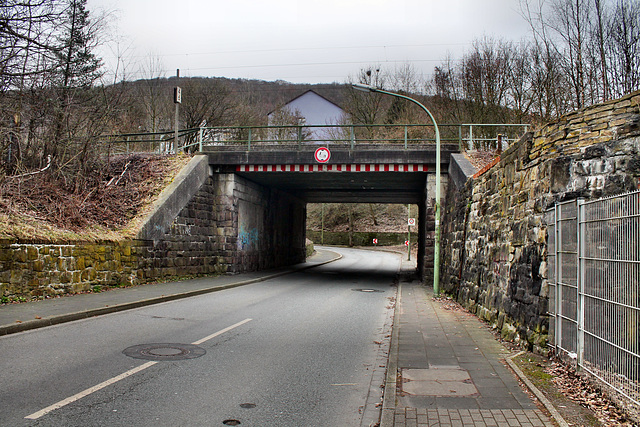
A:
x: 387, y: 418
x: 541, y: 397
x: 70, y: 317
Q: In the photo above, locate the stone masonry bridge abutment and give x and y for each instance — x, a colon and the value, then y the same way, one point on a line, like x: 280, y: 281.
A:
x: 246, y: 210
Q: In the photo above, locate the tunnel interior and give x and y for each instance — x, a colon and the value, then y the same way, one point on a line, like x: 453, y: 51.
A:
x: 406, y: 188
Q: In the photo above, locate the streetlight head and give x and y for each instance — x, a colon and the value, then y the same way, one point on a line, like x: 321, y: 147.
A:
x: 363, y: 87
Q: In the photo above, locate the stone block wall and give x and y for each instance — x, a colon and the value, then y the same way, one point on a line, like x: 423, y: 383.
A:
x: 45, y: 269
x: 494, y: 238
x: 229, y: 225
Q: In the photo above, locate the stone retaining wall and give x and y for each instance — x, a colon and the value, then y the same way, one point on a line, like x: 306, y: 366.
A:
x: 228, y: 225
x: 493, y: 236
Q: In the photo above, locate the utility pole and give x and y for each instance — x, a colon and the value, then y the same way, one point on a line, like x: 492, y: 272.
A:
x: 177, y: 99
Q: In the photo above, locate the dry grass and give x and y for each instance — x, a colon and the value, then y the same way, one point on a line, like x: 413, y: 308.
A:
x: 109, y: 205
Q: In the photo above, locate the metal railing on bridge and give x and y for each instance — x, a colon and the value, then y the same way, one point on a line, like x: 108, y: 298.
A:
x: 387, y: 136
x: 594, y: 288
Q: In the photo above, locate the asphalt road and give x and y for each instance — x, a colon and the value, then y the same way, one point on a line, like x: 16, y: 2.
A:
x: 300, y: 350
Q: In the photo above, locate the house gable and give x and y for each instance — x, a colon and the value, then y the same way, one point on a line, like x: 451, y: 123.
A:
x: 316, y: 109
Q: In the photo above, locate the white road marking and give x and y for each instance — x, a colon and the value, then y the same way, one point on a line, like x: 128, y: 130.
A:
x: 88, y: 391
x: 114, y: 380
x: 221, y: 332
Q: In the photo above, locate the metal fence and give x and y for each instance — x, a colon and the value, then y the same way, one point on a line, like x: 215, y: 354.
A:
x: 400, y: 136
x: 594, y: 288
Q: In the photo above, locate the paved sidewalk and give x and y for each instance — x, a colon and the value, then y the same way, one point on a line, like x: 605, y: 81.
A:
x: 31, y: 315
x: 450, y: 369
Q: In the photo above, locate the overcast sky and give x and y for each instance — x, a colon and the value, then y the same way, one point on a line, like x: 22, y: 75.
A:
x: 302, y: 41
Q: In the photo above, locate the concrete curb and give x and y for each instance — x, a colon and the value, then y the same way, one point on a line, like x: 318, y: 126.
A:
x: 390, y: 385
x: 70, y: 317
x: 539, y: 395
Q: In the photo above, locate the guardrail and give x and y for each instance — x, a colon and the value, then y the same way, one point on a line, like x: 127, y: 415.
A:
x: 248, y: 138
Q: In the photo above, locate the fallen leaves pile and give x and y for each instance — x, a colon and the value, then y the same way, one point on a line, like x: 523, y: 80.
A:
x: 581, y: 391
x: 449, y: 304
x: 569, y: 383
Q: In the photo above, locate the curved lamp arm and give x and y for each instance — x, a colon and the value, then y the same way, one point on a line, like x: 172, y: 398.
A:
x: 436, y: 248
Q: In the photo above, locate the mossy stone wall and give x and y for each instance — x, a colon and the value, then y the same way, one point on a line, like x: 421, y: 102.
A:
x: 494, y: 246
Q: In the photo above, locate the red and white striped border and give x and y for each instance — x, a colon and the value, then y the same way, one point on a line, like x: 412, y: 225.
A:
x: 333, y: 168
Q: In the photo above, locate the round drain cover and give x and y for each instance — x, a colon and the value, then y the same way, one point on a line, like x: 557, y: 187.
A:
x: 367, y: 290
x: 164, y: 351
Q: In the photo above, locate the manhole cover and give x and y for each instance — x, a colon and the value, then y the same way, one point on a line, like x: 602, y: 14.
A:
x: 164, y: 351
x: 367, y: 290
x: 231, y: 422
x: 247, y: 405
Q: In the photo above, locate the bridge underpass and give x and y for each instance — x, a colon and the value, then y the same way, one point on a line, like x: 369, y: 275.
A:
x: 381, y: 174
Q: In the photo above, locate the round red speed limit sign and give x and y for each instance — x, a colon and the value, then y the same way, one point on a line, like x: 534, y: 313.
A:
x: 322, y: 155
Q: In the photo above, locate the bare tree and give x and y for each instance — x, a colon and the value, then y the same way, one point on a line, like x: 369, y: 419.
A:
x: 624, y: 48
x: 601, y: 35
x: 366, y: 108
x: 205, y: 103
x: 152, y: 95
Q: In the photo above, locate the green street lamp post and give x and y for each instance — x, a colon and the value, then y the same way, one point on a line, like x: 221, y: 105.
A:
x: 436, y: 248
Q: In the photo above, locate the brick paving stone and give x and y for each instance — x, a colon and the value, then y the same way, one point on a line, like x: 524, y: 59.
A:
x: 498, y: 402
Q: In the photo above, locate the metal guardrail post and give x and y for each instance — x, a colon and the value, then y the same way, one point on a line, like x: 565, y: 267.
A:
x: 353, y: 138
x: 558, y: 307
x: 580, y: 278
x: 405, y: 137
x: 460, y: 137
x: 200, y: 140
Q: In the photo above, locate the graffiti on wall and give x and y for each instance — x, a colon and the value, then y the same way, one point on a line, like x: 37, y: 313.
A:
x: 247, y: 239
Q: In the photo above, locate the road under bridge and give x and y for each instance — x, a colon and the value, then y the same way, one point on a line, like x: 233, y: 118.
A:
x: 247, y: 201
